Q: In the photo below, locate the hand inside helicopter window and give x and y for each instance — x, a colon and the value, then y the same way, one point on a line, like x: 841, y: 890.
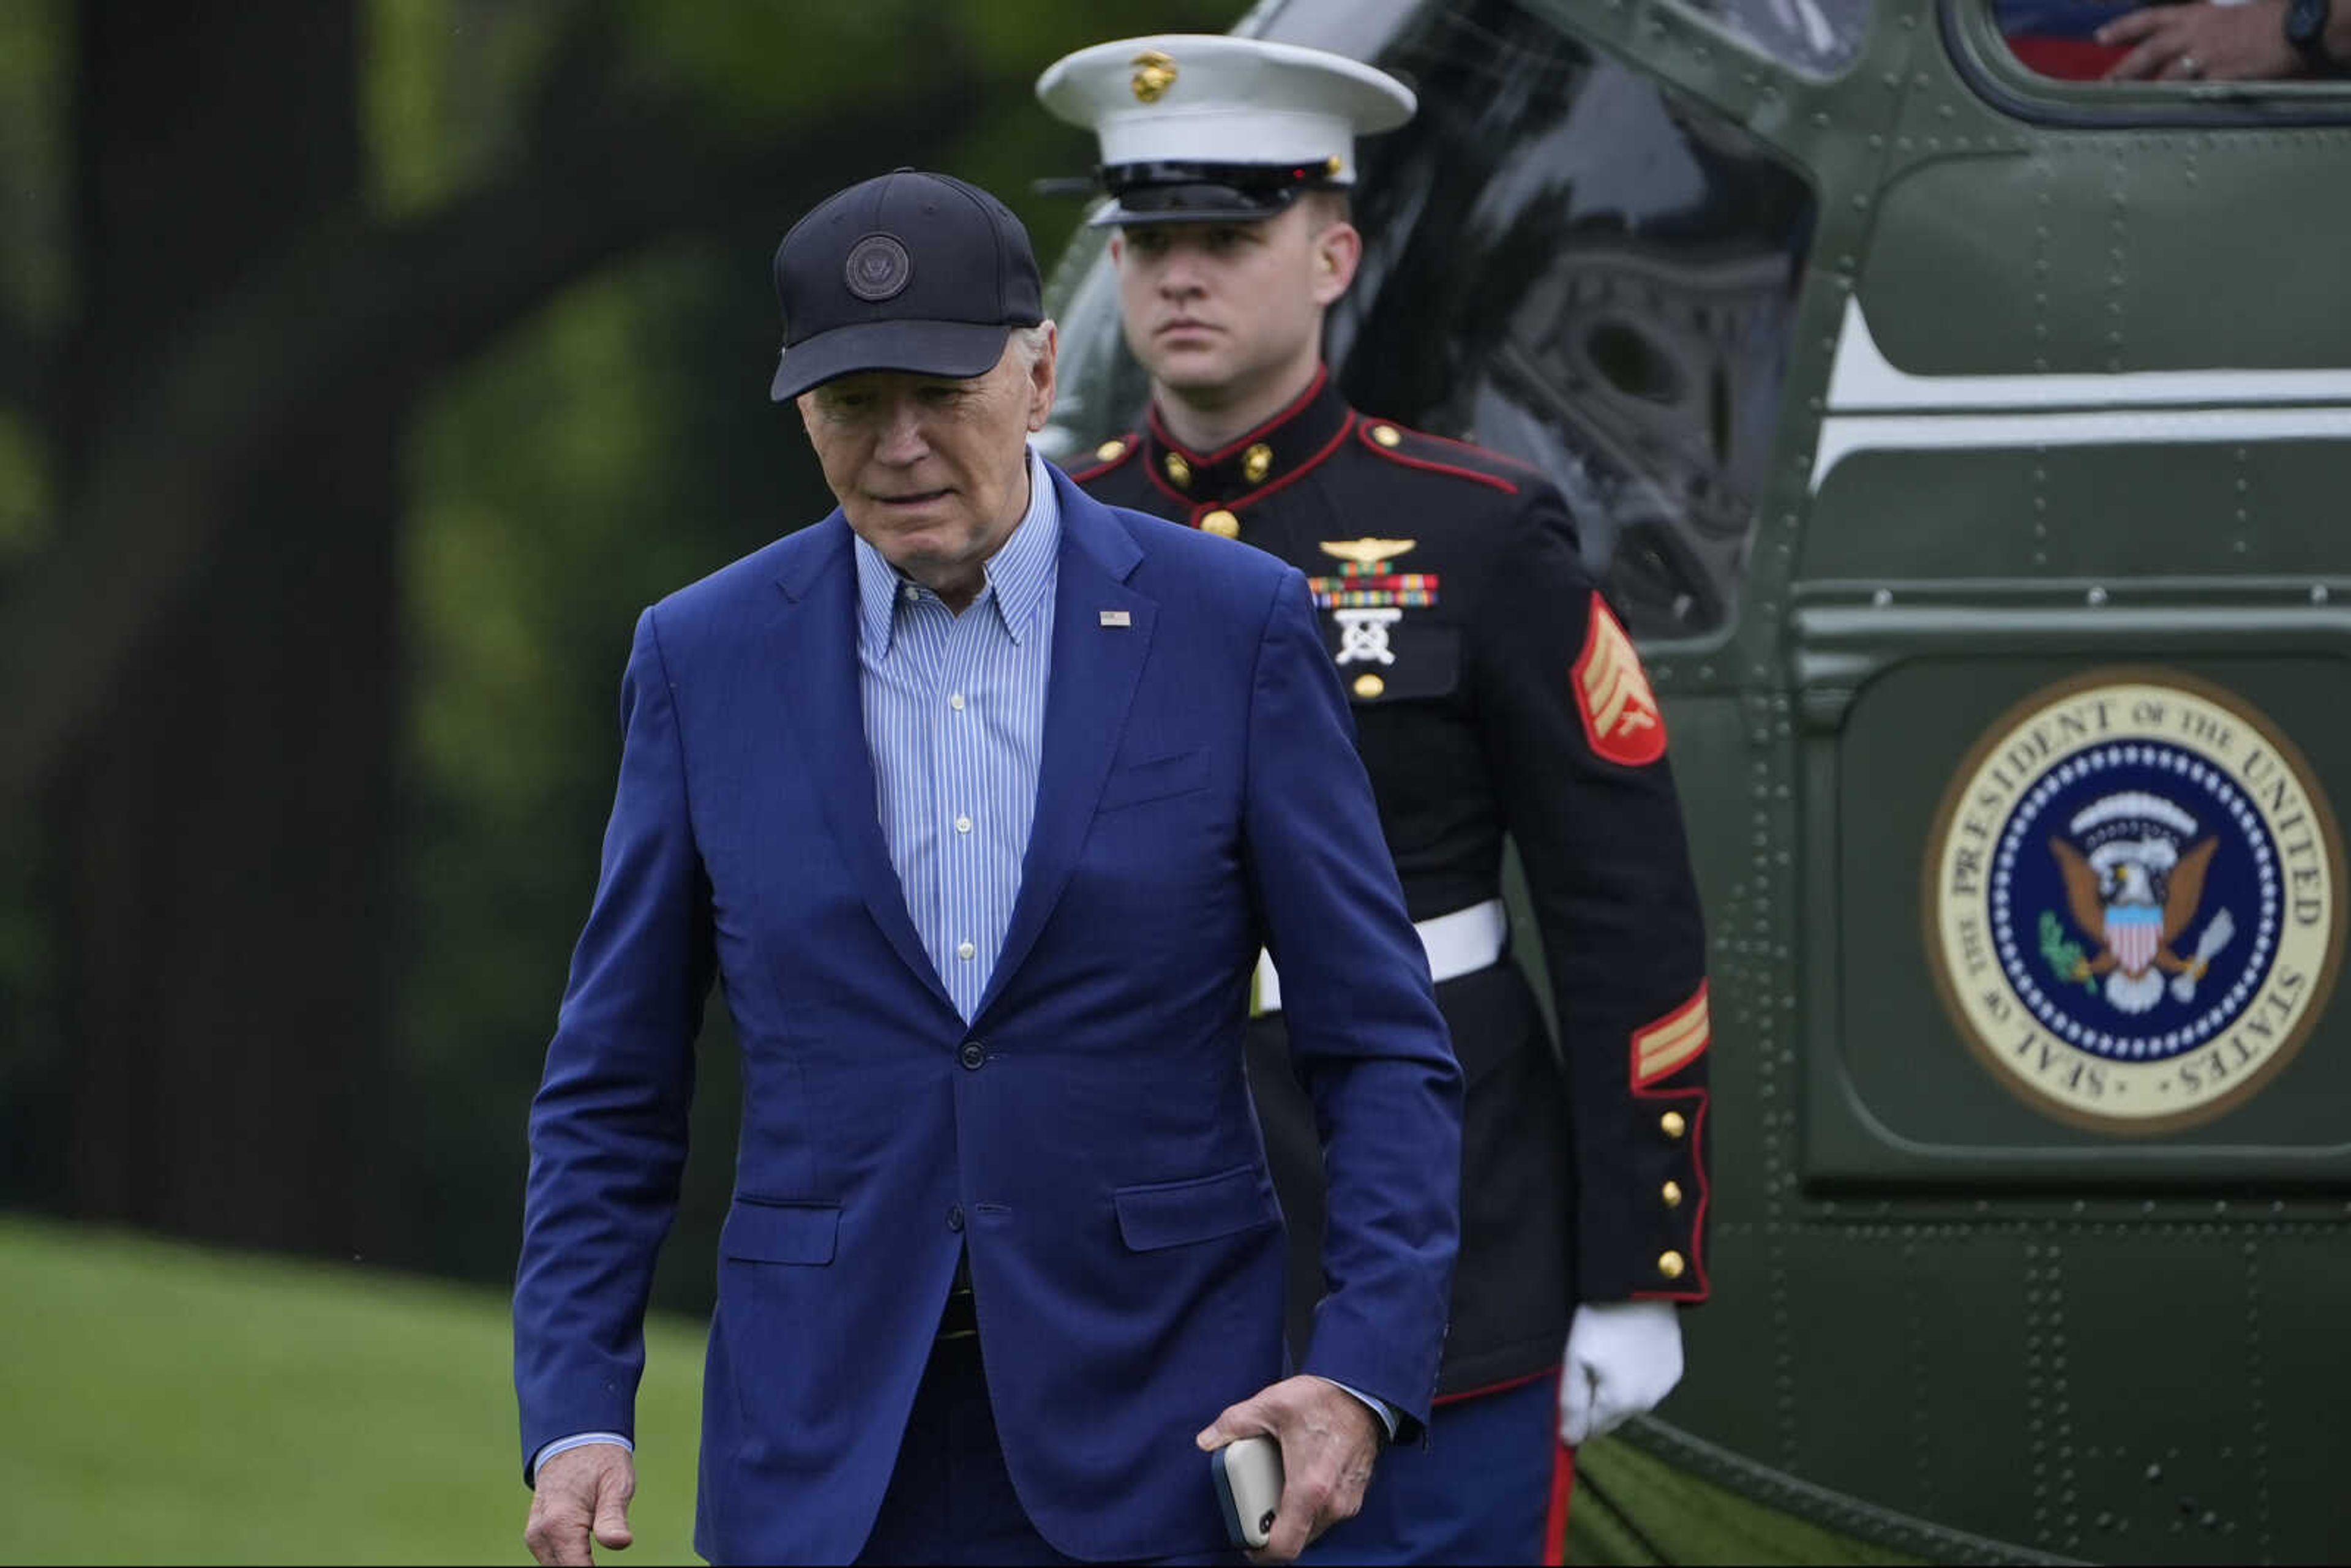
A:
x: 2212, y: 40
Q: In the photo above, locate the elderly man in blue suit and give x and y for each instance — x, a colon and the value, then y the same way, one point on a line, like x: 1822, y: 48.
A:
x: 978, y: 800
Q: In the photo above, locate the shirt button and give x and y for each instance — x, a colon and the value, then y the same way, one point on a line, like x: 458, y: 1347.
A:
x: 914, y: 594
x: 955, y: 1217
x: 963, y: 824
x: 972, y: 1054
x: 966, y: 950
x: 956, y: 701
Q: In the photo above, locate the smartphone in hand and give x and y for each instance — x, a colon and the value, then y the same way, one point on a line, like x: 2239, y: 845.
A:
x: 1248, y: 1473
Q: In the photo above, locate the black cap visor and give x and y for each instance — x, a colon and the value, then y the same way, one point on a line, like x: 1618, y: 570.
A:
x: 958, y: 349
x: 1143, y: 193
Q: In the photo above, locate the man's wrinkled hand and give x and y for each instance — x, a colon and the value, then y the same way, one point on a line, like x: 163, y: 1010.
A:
x: 1329, y: 1440
x: 581, y: 1490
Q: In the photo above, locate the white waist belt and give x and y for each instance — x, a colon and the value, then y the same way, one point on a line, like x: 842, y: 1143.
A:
x: 1461, y: 943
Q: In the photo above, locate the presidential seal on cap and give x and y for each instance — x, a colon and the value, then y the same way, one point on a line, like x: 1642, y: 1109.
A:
x: 1200, y: 128
x: 907, y: 271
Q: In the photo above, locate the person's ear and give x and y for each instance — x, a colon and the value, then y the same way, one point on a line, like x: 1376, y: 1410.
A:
x: 1041, y: 378
x: 1338, y: 251
x: 1117, y: 248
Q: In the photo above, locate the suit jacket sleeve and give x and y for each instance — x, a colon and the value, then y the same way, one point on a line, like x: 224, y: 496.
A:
x: 608, y: 1129
x: 1608, y: 870
x: 1366, y: 1036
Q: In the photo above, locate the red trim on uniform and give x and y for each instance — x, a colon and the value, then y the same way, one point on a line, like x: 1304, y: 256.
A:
x: 1563, y: 1492
x: 1199, y: 509
x: 1082, y: 477
x: 1394, y: 456
x: 1504, y: 458
x: 1264, y: 428
x: 1300, y: 471
x: 1503, y: 1388
x: 1696, y: 1290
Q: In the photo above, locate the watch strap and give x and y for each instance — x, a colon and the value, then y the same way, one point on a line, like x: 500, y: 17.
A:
x: 2305, y: 30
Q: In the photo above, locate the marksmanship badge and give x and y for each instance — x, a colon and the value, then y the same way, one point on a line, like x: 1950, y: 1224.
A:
x: 2131, y: 895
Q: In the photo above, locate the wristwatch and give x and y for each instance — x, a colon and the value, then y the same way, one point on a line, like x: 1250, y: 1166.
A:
x: 2305, y: 30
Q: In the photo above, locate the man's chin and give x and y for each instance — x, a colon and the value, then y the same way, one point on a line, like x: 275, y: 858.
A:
x: 1192, y: 371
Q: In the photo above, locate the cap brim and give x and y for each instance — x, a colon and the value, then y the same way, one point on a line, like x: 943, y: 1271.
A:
x: 957, y: 349
x: 1192, y: 204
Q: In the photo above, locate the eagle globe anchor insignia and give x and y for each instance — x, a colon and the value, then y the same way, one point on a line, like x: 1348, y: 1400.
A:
x: 2131, y: 901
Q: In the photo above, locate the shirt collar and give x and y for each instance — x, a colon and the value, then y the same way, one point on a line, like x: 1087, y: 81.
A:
x: 1018, y: 574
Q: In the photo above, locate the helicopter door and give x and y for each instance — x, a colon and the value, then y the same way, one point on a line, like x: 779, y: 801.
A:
x: 2071, y: 661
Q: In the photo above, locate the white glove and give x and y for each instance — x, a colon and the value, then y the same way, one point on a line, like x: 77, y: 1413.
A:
x: 1623, y: 1357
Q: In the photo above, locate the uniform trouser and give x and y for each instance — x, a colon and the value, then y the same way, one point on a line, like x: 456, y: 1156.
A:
x: 1512, y: 1290
x: 1491, y: 1487
x: 950, y: 1499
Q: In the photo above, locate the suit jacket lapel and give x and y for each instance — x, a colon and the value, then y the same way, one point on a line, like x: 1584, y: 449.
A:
x: 817, y: 667
x: 1091, y: 684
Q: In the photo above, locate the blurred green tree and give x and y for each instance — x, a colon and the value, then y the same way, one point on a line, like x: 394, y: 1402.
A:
x: 377, y: 362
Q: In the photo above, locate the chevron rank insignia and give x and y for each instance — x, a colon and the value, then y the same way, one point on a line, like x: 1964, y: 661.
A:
x: 1672, y: 1043
x: 1613, y: 697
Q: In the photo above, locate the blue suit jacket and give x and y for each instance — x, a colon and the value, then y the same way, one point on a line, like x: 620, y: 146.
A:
x: 1090, y: 1137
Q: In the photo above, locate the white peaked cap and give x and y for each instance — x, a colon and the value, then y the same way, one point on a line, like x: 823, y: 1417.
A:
x: 1203, y: 97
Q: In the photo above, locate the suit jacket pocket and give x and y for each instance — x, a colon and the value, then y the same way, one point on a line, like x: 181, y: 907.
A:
x: 1174, y: 1213
x: 1156, y: 780
x: 764, y: 1230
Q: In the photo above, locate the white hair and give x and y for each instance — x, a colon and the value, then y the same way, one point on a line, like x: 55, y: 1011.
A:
x: 1031, y: 342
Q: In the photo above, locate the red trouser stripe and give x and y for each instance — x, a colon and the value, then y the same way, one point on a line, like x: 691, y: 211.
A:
x: 1563, y: 1488
x: 1562, y: 1491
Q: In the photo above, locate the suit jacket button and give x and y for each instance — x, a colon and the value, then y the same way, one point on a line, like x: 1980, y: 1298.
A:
x: 972, y: 1054
x: 955, y: 1217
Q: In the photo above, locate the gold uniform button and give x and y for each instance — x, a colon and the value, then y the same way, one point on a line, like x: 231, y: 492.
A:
x: 1222, y: 524
x: 1671, y: 1265
x: 1179, y: 472
x: 1672, y: 1124
x: 1369, y: 685
x: 1257, y: 463
x: 1110, y: 451
x: 1672, y: 1195
x: 1387, y: 435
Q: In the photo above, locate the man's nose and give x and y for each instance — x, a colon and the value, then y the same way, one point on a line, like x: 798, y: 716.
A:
x: 1179, y: 279
x: 903, y: 441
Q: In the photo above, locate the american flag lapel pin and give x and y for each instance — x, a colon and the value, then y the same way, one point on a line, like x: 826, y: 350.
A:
x: 1116, y: 618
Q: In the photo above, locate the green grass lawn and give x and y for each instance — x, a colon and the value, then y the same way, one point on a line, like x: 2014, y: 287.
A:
x: 166, y: 1403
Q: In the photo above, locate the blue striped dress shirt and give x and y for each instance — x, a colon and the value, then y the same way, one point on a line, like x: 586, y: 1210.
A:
x: 954, y: 724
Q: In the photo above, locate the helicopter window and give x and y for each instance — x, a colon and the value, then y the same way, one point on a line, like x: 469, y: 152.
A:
x: 1571, y: 267
x: 1561, y: 261
x: 1818, y: 37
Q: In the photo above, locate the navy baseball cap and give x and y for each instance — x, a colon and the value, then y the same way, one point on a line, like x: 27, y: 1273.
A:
x: 907, y: 271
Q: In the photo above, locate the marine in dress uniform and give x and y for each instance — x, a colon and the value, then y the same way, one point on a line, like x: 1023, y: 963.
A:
x: 1495, y: 695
